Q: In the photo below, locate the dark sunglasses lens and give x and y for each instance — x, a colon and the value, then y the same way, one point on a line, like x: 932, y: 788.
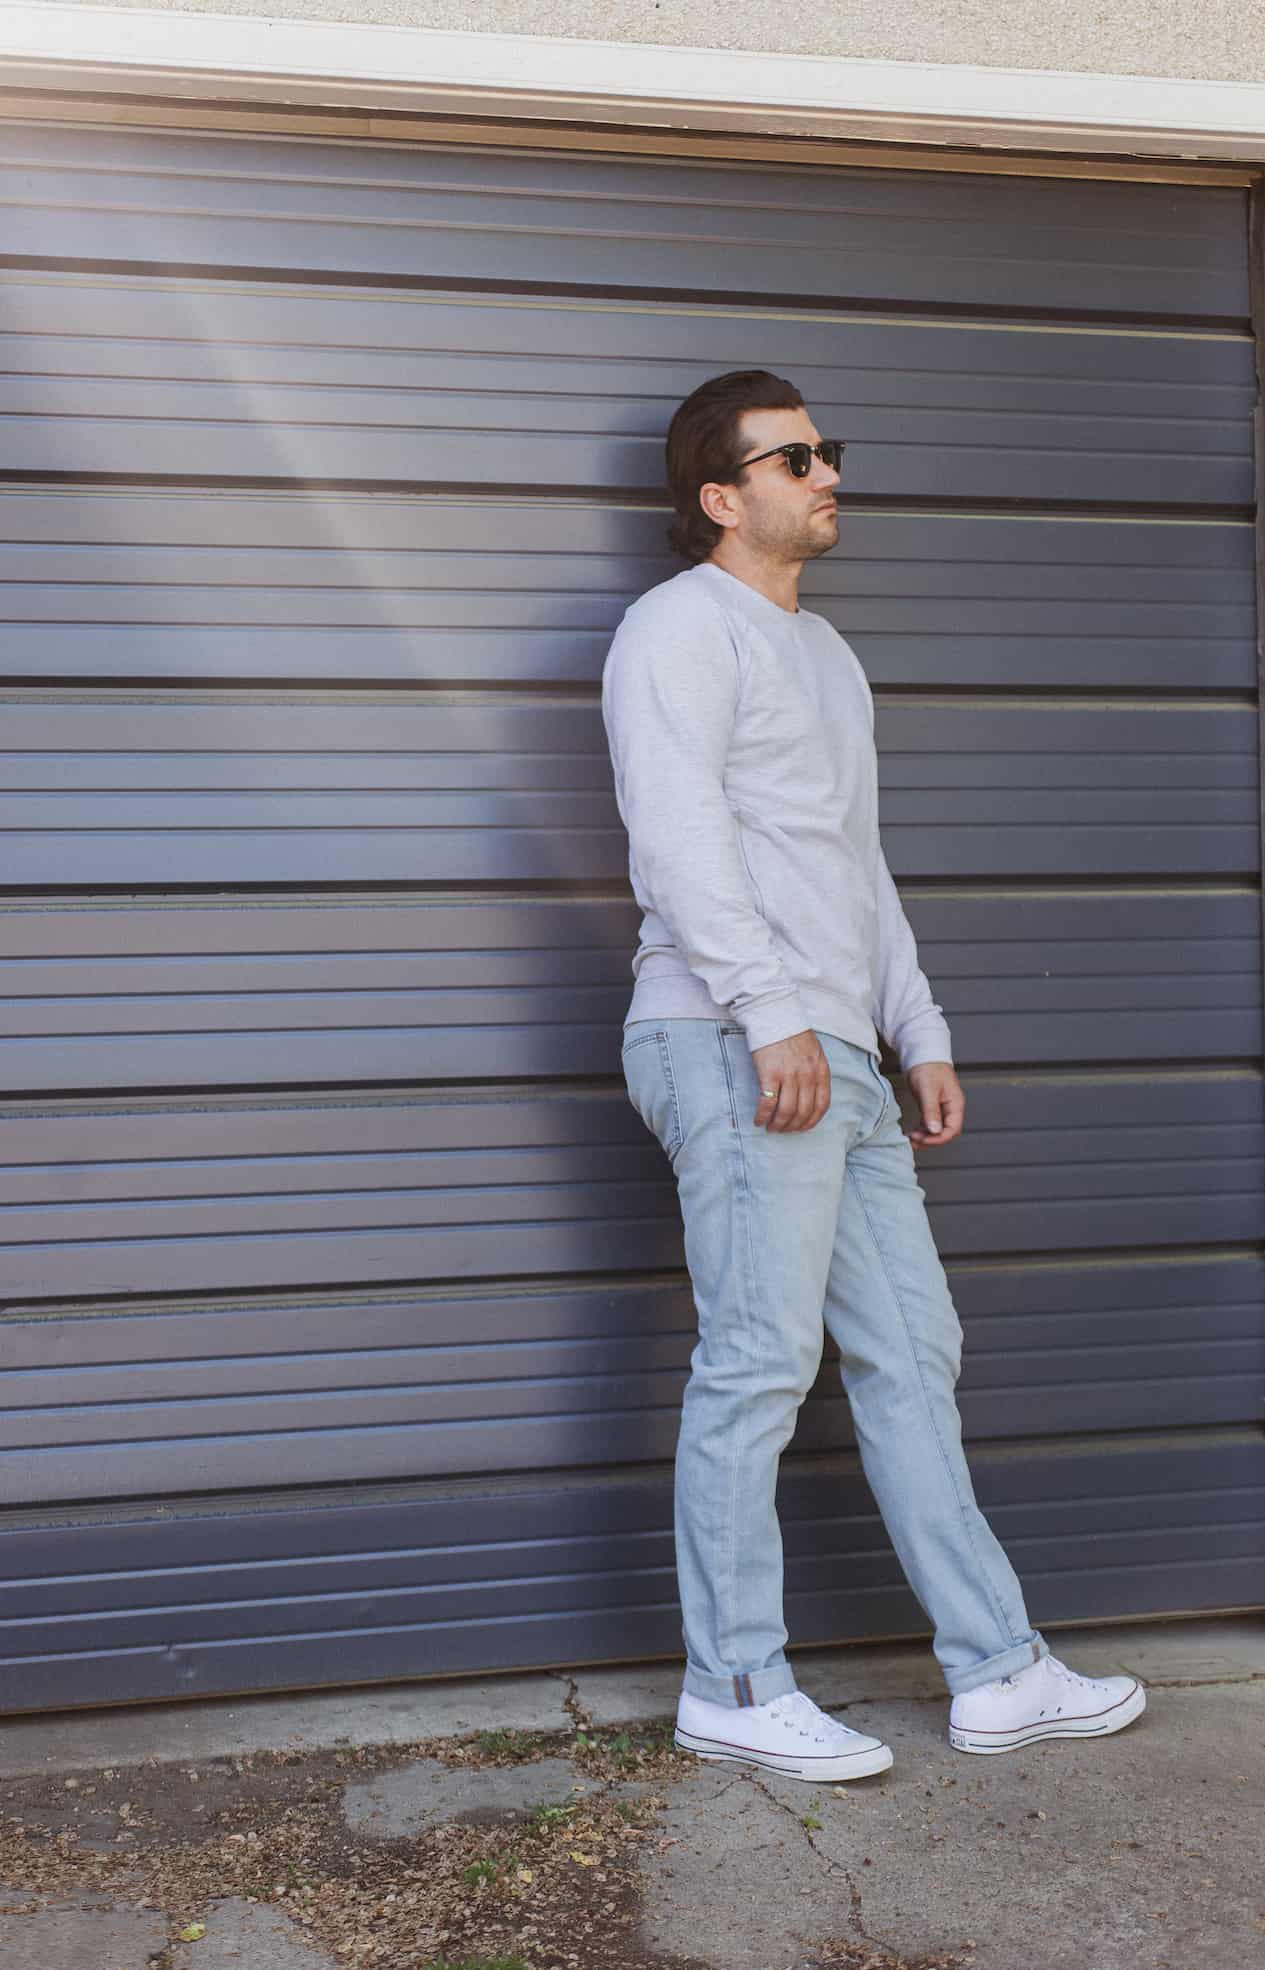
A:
x: 832, y: 453
x: 799, y: 458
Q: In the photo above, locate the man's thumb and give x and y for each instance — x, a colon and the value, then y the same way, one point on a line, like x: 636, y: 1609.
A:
x: 933, y: 1123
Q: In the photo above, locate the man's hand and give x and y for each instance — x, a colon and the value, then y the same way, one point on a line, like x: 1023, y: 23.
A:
x: 797, y: 1071
x: 941, y: 1099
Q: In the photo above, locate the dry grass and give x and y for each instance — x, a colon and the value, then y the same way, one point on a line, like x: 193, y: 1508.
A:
x: 549, y: 1889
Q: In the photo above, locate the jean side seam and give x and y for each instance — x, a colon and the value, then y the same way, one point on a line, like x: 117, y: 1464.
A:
x: 749, y: 1289
x: 1004, y: 1624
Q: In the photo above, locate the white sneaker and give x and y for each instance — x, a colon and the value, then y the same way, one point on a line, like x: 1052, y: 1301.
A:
x: 789, y: 1735
x: 1043, y: 1699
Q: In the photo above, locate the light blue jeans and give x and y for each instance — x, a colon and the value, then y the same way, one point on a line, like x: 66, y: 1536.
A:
x: 787, y: 1233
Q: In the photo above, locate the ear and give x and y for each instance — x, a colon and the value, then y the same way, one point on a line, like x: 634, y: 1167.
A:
x: 720, y: 503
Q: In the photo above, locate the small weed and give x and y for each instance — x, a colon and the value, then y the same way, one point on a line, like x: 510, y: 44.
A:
x: 628, y: 1748
x: 476, y: 1963
x: 541, y: 1817
x: 810, y: 1821
x: 480, y: 1871
x: 619, y: 1748
x: 506, y: 1743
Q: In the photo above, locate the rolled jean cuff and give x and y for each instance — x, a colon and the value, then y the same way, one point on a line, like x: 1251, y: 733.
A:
x: 742, y: 1690
x: 1008, y: 1663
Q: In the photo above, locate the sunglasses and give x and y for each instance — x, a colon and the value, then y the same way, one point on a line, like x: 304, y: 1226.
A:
x: 799, y: 456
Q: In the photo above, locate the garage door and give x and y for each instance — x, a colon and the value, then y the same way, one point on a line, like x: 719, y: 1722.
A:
x: 345, y: 1318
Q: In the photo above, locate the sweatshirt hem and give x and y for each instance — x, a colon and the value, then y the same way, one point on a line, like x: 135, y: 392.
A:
x: 677, y: 998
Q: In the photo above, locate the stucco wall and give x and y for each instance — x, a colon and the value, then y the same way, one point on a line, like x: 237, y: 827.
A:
x: 1213, y: 40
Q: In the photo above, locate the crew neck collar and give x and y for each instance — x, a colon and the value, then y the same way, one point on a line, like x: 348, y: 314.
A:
x: 758, y: 606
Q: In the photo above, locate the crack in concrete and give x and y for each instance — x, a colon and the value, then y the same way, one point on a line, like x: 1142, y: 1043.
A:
x: 831, y: 1866
x: 580, y: 1717
x: 893, y: 1950
x: 737, y: 1779
x: 1193, y: 1682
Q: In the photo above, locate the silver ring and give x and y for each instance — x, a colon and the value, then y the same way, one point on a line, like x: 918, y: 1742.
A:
x: 768, y: 1091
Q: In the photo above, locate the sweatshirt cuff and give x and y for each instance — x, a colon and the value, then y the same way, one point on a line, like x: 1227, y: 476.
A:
x: 773, y: 1019
x: 927, y: 1039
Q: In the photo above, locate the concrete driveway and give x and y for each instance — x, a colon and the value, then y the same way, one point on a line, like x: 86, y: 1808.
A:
x: 545, y: 1821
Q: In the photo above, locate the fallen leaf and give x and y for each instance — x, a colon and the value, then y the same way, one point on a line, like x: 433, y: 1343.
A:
x: 585, y: 1860
x: 193, y: 1933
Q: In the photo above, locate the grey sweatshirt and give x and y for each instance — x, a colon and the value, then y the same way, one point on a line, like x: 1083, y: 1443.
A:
x: 742, y: 740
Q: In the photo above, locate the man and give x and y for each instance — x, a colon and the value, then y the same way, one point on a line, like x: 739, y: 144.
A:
x: 773, y: 954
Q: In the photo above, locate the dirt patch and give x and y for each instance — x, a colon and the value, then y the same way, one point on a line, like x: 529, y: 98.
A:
x: 555, y: 1886
x: 866, y: 1956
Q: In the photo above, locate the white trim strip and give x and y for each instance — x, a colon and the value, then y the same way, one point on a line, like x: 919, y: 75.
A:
x: 44, y: 43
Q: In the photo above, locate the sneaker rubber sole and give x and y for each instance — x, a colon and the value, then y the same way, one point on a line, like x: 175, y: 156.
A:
x: 828, y: 1767
x: 1102, y: 1725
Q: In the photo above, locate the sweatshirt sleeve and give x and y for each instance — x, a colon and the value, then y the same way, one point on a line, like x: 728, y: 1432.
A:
x: 903, y: 1010
x: 669, y: 698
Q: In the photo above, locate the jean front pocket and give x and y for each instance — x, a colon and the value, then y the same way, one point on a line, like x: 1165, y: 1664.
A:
x: 646, y: 1057
x: 890, y: 1104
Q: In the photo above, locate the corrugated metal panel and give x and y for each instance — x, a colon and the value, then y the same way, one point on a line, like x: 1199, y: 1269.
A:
x: 316, y: 1162
x: 221, y: 586
x: 379, y: 988
x: 124, y: 789
x: 675, y: 226
x: 560, y: 1571
x: 119, y: 377
x: 460, y: 1379
x: 244, y: 1191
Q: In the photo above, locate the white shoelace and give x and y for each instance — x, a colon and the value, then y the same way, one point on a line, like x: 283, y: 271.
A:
x: 799, y: 1713
x: 1066, y: 1675
x: 1061, y: 1670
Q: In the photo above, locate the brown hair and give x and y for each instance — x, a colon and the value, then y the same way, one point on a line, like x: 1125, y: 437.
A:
x: 705, y: 443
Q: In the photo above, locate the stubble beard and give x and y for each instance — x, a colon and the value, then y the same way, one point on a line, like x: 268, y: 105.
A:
x: 793, y: 542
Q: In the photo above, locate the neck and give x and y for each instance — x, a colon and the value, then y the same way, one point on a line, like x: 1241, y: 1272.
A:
x: 778, y: 581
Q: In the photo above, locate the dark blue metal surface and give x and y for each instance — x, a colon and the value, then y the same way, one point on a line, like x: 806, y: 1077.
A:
x: 343, y: 1312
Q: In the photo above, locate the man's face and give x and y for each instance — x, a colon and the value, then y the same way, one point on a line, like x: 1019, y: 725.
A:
x: 779, y: 516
